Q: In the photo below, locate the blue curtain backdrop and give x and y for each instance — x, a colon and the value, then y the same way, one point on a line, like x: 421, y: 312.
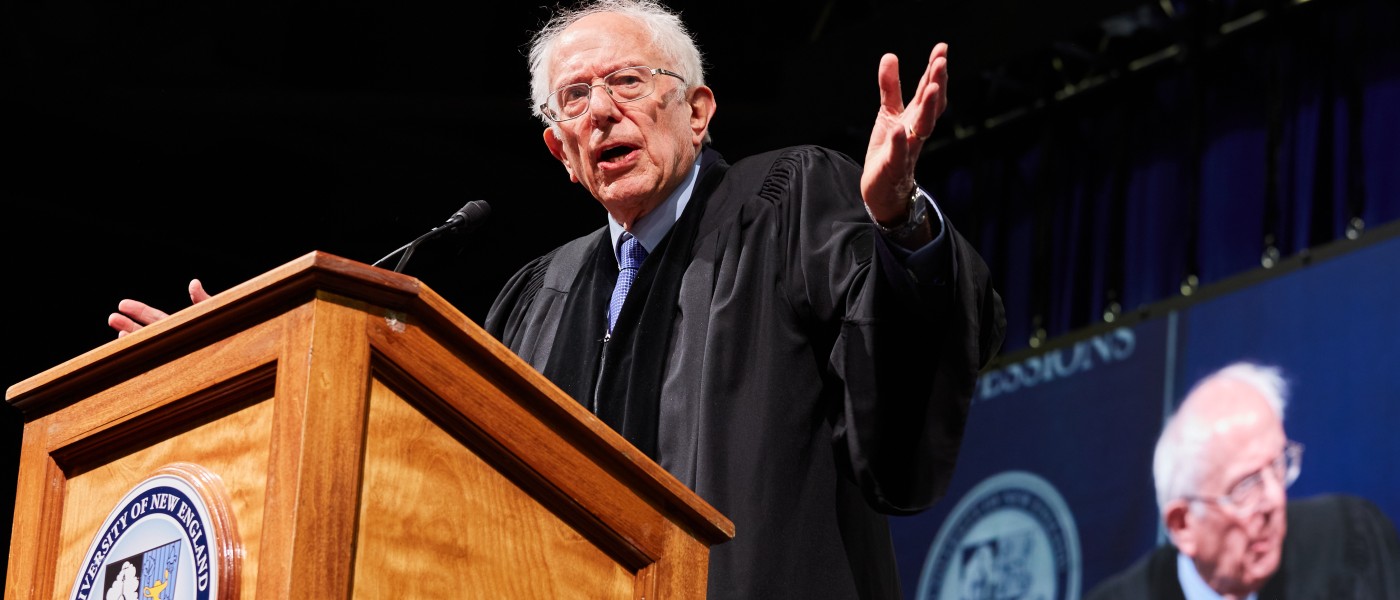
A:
x: 1237, y: 151
x: 1242, y: 150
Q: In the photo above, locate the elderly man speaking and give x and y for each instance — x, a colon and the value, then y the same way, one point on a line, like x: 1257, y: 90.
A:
x: 1222, y: 466
x: 793, y: 335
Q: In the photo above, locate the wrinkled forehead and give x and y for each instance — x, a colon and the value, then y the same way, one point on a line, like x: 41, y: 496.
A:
x: 1232, y: 407
x: 1241, y: 430
x: 600, y: 44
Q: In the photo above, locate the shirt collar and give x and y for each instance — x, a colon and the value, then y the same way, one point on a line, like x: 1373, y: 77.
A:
x: 652, y: 228
x: 1192, y: 585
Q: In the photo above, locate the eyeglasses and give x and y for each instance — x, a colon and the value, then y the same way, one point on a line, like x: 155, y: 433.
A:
x: 624, y: 85
x: 1248, y: 493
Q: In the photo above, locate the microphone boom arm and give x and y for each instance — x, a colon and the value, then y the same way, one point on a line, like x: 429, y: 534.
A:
x: 465, y: 219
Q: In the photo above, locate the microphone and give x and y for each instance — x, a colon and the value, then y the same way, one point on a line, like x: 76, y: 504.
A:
x: 466, y: 219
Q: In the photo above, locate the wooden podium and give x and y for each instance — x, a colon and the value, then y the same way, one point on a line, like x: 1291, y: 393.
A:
x: 370, y: 441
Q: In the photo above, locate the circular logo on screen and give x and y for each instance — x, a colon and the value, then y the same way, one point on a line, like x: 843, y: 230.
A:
x: 1011, y: 537
x: 169, y: 538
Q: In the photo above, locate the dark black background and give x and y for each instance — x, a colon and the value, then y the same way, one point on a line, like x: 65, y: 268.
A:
x: 148, y: 142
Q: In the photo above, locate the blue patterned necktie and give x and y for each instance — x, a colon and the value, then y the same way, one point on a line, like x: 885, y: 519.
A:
x: 631, y: 255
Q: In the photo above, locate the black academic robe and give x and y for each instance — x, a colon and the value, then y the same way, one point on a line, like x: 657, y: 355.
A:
x: 776, y: 359
x: 1336, y: 548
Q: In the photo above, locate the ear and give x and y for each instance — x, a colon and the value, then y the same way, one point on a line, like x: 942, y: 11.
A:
x: 1180, y: 527
x: 556, y: 147
x: 702, y: 109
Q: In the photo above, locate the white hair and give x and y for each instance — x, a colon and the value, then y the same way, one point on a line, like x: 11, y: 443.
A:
x: 668, y: 34
x: 1176, y: 463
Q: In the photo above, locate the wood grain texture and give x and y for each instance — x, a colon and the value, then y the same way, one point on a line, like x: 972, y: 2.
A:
x: 683, y: 570
x: 322, y: 397
x: 567, y: 418
x: 537, y: 448
x: 86, y: 455
x: 483, y: 474
x: 437, y: 521
x: 550, y: 455
x: 152, y: 404
x: 34, y: 538
x: 225, y: 314
x: 234, y: 448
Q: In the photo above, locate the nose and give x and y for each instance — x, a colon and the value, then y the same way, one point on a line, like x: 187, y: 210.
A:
x: 1275, y: 493
x: 602, y: 107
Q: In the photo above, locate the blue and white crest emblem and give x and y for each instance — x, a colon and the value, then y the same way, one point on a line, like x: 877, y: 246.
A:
x: 1011, y: 537
x: 150, y: 574
x: 162, y: 541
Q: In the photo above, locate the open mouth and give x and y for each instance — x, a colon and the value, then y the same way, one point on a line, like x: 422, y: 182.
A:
x: 615, y: 153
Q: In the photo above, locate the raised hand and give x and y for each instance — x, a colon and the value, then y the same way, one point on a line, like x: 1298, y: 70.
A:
x: 899, y: 134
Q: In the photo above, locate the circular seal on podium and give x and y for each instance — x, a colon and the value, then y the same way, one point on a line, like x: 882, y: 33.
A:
x: 170, y: 537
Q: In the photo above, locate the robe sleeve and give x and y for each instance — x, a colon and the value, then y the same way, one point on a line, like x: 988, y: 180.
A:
x: 905, y: 353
